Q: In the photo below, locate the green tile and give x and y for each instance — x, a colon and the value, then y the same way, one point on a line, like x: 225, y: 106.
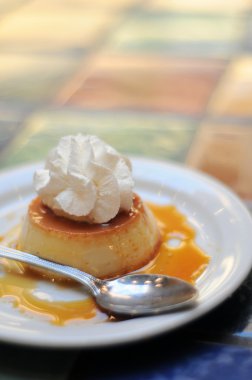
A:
x: 199, y: 6
x: 179, y: 34
x: 7, y: 131
x: 10, y: 124
x: 152, y: 135
x: 32, y: 79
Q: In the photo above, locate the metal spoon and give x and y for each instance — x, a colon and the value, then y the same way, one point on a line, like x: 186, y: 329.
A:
x: 134, y: 294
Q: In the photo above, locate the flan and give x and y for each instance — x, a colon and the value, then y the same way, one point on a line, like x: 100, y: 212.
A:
x: 124, y: 244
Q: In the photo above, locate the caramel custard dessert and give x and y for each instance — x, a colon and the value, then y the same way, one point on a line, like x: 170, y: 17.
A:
x: 126, y: 243
x: 86, y: 214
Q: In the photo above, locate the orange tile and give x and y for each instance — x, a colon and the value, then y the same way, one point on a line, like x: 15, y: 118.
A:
x: 233, y: 97
x: 224, y: 151
x: 180, y: 86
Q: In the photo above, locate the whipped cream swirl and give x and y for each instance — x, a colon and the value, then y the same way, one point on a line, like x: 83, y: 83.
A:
x: 85, y: 179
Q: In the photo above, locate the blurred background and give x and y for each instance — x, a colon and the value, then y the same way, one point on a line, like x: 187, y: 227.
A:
x: 169, y: 79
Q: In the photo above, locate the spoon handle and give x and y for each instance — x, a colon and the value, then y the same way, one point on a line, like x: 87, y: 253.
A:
x: 86, y: 279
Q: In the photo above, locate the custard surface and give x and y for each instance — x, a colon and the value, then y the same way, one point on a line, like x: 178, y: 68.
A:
x: 125, y: 244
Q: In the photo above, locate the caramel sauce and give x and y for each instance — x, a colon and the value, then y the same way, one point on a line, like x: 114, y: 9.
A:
x: 19, y: 288
x: 185, y: 260
x: 49, y: 221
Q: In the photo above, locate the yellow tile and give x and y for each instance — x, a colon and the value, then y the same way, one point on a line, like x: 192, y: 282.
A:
x: 35, y: 29
x: 79, y: 4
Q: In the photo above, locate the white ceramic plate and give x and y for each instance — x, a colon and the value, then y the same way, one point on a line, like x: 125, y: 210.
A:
x: 224, y: 231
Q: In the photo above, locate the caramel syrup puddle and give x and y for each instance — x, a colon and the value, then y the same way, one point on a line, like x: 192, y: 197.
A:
x: 18, y: 285
x: 185, y: 260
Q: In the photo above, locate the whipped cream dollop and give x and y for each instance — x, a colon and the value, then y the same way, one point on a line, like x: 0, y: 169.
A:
x: 85, y: 179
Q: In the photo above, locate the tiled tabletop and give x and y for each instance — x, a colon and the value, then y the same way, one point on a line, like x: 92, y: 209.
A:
x: 162, y: 79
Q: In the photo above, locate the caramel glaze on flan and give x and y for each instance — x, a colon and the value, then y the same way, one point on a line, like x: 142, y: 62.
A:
x: 126, y: 243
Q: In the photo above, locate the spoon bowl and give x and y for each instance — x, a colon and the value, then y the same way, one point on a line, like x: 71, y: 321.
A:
x: 132, y: 295
x: 143, y: 294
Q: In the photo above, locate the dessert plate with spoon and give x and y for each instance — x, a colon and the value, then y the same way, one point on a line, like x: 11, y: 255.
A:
x: 206, y: 243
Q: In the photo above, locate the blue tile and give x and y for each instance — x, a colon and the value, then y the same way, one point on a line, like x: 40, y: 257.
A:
x: 167, y: 358
x: 207, y: 363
